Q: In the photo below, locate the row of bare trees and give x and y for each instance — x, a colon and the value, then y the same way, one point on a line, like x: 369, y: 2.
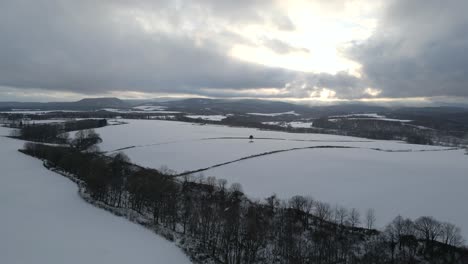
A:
x: 425, y: 236
x: 58, y: 132
x: 218, y: 223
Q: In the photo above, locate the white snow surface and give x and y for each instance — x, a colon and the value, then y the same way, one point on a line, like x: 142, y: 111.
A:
x: 294, y: 124
x: 149, y: 107
x: 185, y: 146
x: 47, y: 121
x: 411, y: 184
x: 207, y: 117
x: 370, y: 116
x: 426, y: 180
x: 45, y: 221
x: 144, y: 111
x: 275, y: 114
x: 37, y: 112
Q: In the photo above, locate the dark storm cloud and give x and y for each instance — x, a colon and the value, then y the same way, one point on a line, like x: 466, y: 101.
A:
x: 97, y: 46
x: 418, y: 49
x: 83, y: 47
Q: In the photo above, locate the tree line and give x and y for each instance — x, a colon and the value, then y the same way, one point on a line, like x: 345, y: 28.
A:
x: 58, y: 132
x: 379, y: 129
x: 218, y: 223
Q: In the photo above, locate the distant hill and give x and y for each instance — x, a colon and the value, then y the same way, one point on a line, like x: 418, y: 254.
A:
x: 202, y: 105
x: 104, y: 102
x: 226, y: 106
x: 84, y: 104
x: 243, y: 106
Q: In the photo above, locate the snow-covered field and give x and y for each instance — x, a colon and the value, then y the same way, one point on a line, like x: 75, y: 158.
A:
x: 139, y: 111
x: 186, y: 146
x: 43, y: 220
x: 294, y: 124
x: 411, y: 180
x: 372, y: 116
x: 37, y: 112
x: 149, y: 107
x: 207, y: 117
x: 275, y: 114
x: 408, y: 183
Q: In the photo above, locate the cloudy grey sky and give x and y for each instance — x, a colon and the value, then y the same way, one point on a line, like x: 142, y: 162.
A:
x: 323, y: 50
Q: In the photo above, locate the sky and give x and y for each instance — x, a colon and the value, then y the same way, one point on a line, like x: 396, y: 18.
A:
x: 298, y: 50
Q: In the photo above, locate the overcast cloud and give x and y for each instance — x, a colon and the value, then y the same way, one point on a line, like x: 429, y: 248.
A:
x: 182, y: 47
x: 418, y: 50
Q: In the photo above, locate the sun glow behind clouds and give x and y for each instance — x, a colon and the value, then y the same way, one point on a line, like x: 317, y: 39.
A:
x: 316, y: 43
x: 321, y: 28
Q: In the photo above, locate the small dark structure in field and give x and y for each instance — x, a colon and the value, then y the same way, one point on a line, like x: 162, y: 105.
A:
x: 251, y: 139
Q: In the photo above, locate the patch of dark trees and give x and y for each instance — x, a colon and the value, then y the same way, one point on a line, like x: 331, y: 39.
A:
x: 58, y: 132
x: 221, y: 225
x: 372, y: 129
x: 379, y: 129
x: 452, y: 121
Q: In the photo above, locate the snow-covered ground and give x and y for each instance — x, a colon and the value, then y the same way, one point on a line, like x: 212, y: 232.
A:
x: 145, y: 132
x: 294, y: 124
x: 426, y: 180
x: 186, y: 146
x: 37, y: 112
x: 149, y: 107
x: 47, y: 121
x: 194, y: 154
x: 207, y: 117
x: 371, y: 116
x: 408, y: 183
x: 275, y: 114
x: 43, y: 220
x: 126, y: 111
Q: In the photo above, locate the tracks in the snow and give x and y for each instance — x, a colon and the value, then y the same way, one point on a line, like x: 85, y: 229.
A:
x: 276, y: 151
x: 237, y: 138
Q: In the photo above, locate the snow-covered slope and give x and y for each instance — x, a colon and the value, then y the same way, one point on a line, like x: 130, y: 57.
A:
x: 43, y: 220
x: 411, y: 184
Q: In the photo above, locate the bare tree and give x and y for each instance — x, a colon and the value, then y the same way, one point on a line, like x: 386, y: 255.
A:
x: 297, y: 202
x: 451, y: 235
x: 354, y: 218
x: 341, y: 213
x: 428, y: 228
x: 236, y: 187
x: 323, y: 211
x: 211, y: 181
x: 370, y: 218
x: 273, y: 202
x: 84, y: 139
x: 200, y: 178
x: 309, y: 204
x: 222, y: 184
